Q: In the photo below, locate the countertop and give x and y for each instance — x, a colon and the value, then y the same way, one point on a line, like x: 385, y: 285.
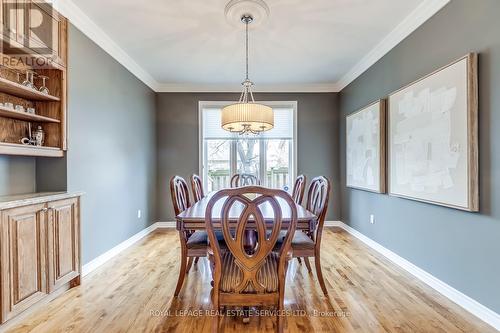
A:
x: 11, y: 201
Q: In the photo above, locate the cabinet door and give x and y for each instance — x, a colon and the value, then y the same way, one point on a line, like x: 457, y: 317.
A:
x: 63, y: 242
x: 48, y: 35
x: 23, y: 259
x: 13, y: 18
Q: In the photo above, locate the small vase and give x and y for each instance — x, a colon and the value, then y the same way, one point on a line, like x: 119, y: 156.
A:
x: 39, y: 136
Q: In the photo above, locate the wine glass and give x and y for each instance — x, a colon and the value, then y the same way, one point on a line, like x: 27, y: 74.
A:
x: 28, y: 82
x: 32, y: 80
x: 43, y: 89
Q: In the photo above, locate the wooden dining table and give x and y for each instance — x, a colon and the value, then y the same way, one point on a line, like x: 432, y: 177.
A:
x: 193, y: 218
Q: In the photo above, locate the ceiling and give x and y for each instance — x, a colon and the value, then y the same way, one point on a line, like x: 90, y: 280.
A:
x: 188, y: 44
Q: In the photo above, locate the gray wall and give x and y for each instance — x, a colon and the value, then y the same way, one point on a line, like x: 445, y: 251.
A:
x: 457, y: 247
x: 177, y: 139
x: 17, y: 175
x: 111, y: 154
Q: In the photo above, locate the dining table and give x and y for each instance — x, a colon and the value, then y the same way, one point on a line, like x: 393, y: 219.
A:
x: 193, y: 218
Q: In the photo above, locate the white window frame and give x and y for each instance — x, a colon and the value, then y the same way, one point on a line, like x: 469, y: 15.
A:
x: 233, y: 167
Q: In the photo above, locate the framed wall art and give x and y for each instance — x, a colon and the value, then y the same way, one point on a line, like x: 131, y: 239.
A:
x: 433, y: 137
x: 365, y: 148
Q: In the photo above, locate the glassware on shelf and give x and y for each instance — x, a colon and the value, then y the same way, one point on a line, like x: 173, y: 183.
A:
x: 34, y: 138
x: 43, y: 89
x: 32, y: 80
x: 28, y: 82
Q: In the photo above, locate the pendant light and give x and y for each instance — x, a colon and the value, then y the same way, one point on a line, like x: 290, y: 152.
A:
x: 246, y: 116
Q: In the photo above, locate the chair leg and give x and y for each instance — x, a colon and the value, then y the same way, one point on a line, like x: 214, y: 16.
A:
x: 216, y: 323
x: 281, y: 302
x: 190, y: 263
x: 280, y: 318
x: 319, y: 273
x: 308, y: 264
x: 182, y: 272
x: 216, y: 306
x: 246, y: 314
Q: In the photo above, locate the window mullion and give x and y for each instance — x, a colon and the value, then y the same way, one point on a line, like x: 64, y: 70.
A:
x: 263, y: 162
x: 291, y: 158
x: 233, y: 157
x: 204, y: 165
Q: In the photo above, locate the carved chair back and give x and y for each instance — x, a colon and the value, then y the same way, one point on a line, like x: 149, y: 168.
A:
x: 238, y: 214
x: 197, y: 187
x: 298, y: 189
x: 317, y: 203
x: 244, y: 179
x: 180, y: 194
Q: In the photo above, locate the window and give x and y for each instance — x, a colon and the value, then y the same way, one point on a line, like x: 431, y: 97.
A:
x: 270, y: 156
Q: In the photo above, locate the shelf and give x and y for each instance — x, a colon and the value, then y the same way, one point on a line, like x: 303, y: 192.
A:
x: 9, y: 113
x: 16, y: 89
x: 27, y: 150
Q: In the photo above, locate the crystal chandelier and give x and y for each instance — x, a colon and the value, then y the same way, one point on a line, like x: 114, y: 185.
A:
x: 246, y: 116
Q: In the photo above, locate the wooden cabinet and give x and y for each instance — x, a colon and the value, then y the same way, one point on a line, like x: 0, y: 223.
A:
x: 47, y: 35
x: 23, y: 28
x: 39, y: 253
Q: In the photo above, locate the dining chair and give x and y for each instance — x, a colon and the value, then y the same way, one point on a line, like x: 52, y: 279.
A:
x: 298, y: 189
x: 244, y: 179
x: 308, y: 244
x: 197, y: 187
x: 194, y: 244
x: 250, y: 276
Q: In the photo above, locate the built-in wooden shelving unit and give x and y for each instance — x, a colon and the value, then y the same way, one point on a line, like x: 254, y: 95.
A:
x: 50, y: 109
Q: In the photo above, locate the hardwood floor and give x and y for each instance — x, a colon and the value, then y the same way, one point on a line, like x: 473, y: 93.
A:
x: 367, y: 293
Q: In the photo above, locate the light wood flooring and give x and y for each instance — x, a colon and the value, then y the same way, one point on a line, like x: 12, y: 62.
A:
x: 367, y: 293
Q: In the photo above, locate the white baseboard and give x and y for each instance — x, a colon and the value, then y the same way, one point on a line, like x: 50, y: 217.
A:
x: 108, y: 255
x: 469, y: 304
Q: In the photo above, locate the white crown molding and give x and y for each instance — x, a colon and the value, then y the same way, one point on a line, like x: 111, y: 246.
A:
x: 412, y: 22
x: 416, y: 18
x: 469, y: 304
x: 85, y: 24
x: 202, y: 88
